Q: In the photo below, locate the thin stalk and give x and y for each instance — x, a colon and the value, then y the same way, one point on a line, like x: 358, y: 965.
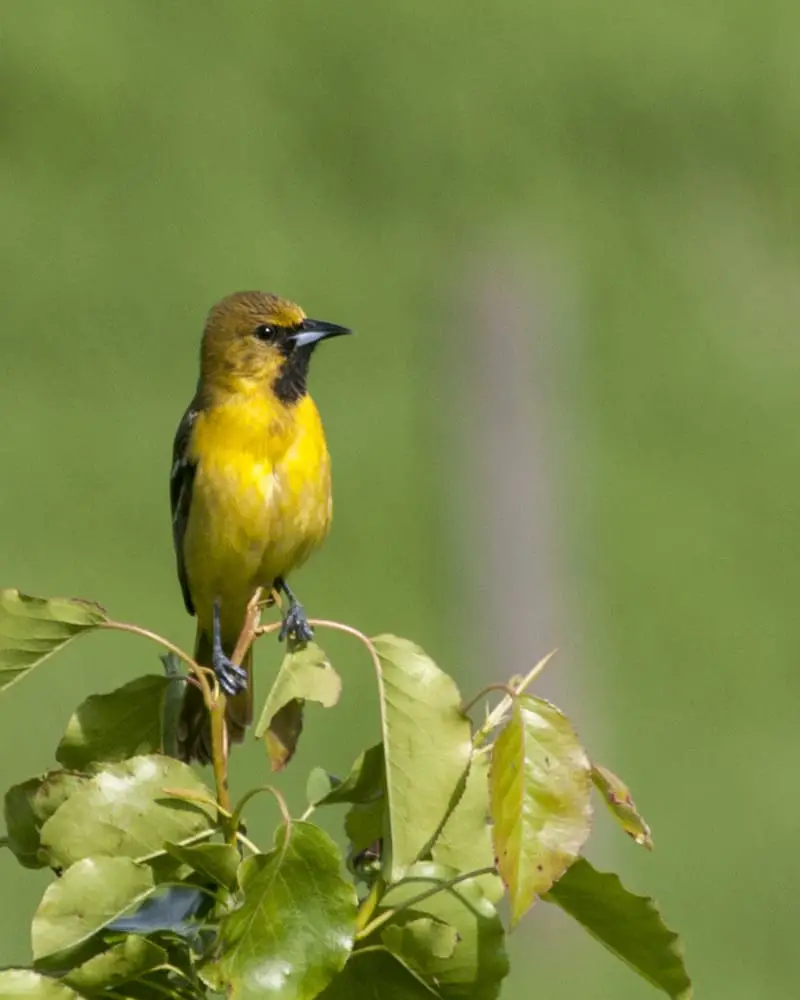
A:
x: 387, y: 915
x: 495, y: 717
x: 367, y: 908
x: 468, y: 706
x: 247, y: 842
x: 287, y: 816
x: 155, y: 637
x: 212, y: 697
x: 219, y: 730
x: 197, y: 838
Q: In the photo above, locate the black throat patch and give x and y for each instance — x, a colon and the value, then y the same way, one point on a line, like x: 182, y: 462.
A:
x: 290, y: 385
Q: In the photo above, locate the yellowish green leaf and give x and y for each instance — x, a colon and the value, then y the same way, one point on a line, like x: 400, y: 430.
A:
x: 25, y: 984
x: 87, y: 897
x: 125, y: 811
x: 621, y: 805
x: 120, y: 963
x: 427, y: 747
x: 28, y: 806
x: 219, y: 862
x: 366, y: 781
x: 33, y: 628
x: 465, y: 842
x: 477, y: 965
x: 540, y: 781
x: 114, y: 726
x: 305, y: 675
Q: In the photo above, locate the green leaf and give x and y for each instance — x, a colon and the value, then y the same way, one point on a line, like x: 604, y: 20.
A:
x: 125, y: 811
x: 366, y: 781
x: 219, y: 862
x: 377, y: 975
x: 127, y: 960
x: 87, y: 897
x: 173, y: 703
x: 478, y: 963
x: 29, y: 805
x: 421, y: 940
x: 305, y: 675
x: 465, y: 842
x: 115, y: 726
x: 629, y: 926
x: 160, y: 985
x: 621, y: 805
x: 319, y: 784
x: 33, y: 628
x: 294, y: 930
x: 427, y: 745
x: 540, y: 782
x: 283, y: 734
x: 25, y: 984
x: 364, y: 824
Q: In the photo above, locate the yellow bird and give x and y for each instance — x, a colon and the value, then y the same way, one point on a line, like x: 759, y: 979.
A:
x: 250, y: 488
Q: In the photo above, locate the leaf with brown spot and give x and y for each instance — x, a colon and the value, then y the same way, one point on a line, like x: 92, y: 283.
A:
x: 540, y: 788
x: 617, y: 797
x: 305, y: 675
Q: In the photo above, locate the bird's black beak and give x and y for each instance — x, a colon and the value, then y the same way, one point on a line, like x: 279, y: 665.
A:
x: 313, y: 330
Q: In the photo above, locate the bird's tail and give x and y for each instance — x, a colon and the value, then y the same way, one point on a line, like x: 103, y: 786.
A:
x: 194, y: 730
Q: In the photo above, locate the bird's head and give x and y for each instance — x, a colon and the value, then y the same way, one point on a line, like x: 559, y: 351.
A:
x: 255, y: 339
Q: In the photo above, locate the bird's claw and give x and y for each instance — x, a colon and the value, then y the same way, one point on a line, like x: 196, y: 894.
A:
x: 296, y: 624
x: 232, y: 678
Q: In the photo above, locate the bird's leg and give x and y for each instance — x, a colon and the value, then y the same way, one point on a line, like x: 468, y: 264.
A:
x: 295, y: 622
x: 232, y: 678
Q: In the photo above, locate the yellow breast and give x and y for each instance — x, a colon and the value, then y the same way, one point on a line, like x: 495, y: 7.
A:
x: 261, y: 501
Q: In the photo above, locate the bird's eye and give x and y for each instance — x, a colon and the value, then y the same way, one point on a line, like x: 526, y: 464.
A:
x: 265, y: 332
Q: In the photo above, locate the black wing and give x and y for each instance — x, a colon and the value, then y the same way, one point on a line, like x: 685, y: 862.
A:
x: 181, y: 481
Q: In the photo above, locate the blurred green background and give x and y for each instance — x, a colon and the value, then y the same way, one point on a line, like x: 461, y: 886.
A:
x: 567, y: 236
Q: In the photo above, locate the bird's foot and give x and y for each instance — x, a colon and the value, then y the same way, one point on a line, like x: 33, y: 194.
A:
x: 296, y: 624
x: 232, y: 678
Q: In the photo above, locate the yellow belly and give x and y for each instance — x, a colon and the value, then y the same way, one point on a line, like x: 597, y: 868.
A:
x: 261, y: 503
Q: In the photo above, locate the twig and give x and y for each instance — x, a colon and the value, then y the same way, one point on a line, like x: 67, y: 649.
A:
x: 247, y: 842
x: 371, y: 901
x: 213, y: 698
x: 510, y: 692
x: 387, y: 915
x: 496, y: 715
x: 219, y: 730
x: 155, y: 637
x: 250, y: 627
x: 196, y: 839
x: 287, y: 816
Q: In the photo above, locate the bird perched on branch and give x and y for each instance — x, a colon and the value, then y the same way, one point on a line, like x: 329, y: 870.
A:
x: 250, y: 488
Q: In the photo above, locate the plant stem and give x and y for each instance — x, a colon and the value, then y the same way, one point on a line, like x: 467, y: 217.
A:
x: 196, y: 839
x: 219, y: 762
x: 287, y: 816
x: 496, y: 715
x: 367, y: 908
x: 219, y: 729
x: 387, y: 915
x: 213, y: 698
x: 247, y: 842
x: 510, y: 693
x: 155, y: 637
